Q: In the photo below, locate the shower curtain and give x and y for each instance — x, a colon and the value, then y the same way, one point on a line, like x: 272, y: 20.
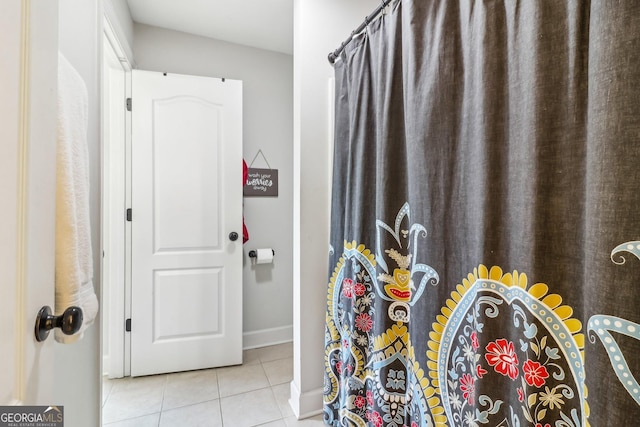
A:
x: 485, y: 230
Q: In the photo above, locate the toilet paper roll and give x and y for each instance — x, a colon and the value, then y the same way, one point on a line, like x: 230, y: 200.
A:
x: 264, y: 256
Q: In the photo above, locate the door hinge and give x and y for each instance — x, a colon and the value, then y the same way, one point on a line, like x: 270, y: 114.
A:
x: 127, y: 325
x: 128, y: 104
x: 129, y: 214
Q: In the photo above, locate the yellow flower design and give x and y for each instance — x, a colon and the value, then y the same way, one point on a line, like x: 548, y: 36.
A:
x: 550, y: 398
x: 400, y: 284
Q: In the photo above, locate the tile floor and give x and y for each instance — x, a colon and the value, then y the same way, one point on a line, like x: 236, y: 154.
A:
x: 254, y: 394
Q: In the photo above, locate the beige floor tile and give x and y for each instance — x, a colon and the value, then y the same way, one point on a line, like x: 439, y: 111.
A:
x: 205, y: 414
x: 282, y: 394
x: 251, y: 356
x: 250, y: 409
x: 188, y: 388
x: 253, y: 394
x: 146, y: 421
x: 241, y: 379
x: 275, y: 352
x: 278, y: 423
x: 107, y: 386
x: 138, y: 383
x: 316, y: 421
x: 279, y: 371
x: 132, y: 403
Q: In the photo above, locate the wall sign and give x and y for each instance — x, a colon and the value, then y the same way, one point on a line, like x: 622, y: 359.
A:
x: 261, y: 182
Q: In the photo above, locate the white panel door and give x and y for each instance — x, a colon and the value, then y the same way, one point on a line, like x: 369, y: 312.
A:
x: 28, y: 42
x: 187, y: 201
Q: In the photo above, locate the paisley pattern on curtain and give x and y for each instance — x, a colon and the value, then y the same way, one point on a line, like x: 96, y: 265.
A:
x: 485, y: 234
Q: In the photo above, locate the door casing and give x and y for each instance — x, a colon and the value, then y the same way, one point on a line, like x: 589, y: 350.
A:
x: 117, y: 269
x: 116, y: 197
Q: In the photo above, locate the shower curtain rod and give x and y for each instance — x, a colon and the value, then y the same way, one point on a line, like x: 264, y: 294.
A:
x: 334, y: 55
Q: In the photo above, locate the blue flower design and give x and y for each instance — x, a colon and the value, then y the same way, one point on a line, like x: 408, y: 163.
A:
x: 395, y: 380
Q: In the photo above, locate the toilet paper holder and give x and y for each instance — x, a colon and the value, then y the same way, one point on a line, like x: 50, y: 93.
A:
x: 254, y: 254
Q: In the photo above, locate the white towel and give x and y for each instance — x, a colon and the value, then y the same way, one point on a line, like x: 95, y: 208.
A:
x: 74, y: 259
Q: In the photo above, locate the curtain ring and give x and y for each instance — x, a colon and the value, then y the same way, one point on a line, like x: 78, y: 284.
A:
x: 383, y: 6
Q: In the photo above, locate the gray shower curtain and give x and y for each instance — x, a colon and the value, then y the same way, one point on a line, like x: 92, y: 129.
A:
x: 485, y: 231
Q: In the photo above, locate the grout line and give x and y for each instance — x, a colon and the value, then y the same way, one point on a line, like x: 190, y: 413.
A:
x: 275, y: 399
x: 219, y: 397
x: 220, y: 407
x: 106, y: 398
x: 248, y: 391
x: 164, y: 390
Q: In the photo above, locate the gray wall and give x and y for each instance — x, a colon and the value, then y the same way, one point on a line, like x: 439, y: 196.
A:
x: 80, y: 32
x: 267, y: 125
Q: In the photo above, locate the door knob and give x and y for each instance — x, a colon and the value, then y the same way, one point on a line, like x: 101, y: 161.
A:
x: 233, y: 236
x: 70, y: 322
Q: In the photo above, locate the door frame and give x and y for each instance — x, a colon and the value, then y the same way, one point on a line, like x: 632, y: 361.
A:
x: 116, y: 231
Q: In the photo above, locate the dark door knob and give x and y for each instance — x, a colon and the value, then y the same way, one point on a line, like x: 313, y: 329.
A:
x: 70, y: 322
x: 233, y: 236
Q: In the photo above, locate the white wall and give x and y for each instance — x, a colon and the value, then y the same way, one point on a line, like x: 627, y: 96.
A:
x: 80, y: 31
x: 319, y: 27
x: 268, y: 125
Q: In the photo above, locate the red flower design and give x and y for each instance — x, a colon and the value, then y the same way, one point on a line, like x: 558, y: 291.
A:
x: 540, y: 425
x: 502, y: 356
x: 364, y: 322
x: 359, y: 402
x: 370, y: 398
x: 375, y: 418
x: 520, y: 395
x: 534, y: 373
x: 480, y: 371
x: 341, y: 366
x: 474, y: 340
x: 347, y: 288
x: 414, y: 424
x: 359, y: 289
x: 468, y: 387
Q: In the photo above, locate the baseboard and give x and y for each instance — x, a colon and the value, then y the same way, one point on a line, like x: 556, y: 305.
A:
x: 253, y: 339
x: 266, y: 337
x: 305, y: 404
